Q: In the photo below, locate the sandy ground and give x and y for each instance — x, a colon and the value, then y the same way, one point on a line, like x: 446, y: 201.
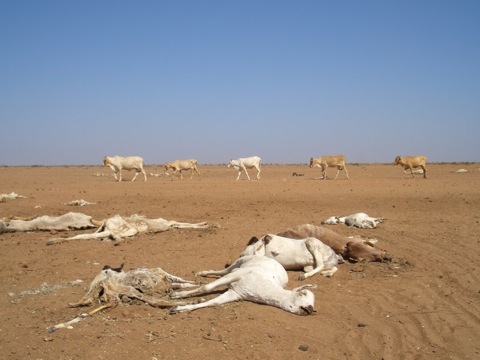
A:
x: 425, y: 304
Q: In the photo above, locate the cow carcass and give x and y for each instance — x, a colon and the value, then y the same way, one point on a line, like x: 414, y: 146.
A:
x: 350, y: 248
x: 114, y: 228
x: 358, y: 220
x: 114, y: 286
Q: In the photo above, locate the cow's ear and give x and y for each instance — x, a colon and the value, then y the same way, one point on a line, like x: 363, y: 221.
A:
x: 253, y: 240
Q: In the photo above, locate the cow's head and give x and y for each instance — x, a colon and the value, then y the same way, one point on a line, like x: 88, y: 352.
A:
x: 361, y: 252
x: 301, y: 302
x: 254, y: 247
x: 398, y: 160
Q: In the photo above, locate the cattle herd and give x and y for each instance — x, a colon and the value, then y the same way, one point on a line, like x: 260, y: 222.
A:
x: 258, y: 275
x: 117, y: 163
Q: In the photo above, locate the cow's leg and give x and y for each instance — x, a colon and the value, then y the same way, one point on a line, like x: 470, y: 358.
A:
x: 235, y: 265
x: 346, y: 172
x: 258, y: 172
x: 144, y: 174
x: 314, y: 249
x: 239, y: 173
x: 226, y: 297
x: 119, y: 175
x: 324, y: 172
x: 424, y: 168
x: 181, y: 175
x: 246, y: 172
x: 195, y: 168
x: 94, y: 236
x: 205, y: 289
x: 411, y: 172
x: 338, y: 172
x: 135, y: 176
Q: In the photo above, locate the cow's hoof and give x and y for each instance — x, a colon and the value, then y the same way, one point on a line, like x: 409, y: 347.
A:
x: 387, y: 257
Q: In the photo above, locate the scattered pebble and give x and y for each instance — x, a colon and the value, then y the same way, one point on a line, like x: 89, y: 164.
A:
x: 303, y: 347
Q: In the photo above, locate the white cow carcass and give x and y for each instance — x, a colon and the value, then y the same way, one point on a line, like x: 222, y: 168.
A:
x: 68, y: 221
x: 323, y: 162
x: 117, y: 163
x: 116, y: 227
x: 251, y: 278
x: 309, y: 254
x: 180, y: 165
x: 243, y: 164
x: 358, y: 220
x: 10, y: 196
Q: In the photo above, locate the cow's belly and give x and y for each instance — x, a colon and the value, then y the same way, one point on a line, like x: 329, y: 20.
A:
x: 295, y: 262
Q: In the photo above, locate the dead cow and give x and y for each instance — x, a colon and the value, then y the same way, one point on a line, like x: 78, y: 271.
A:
x: 363, y: 250
x: 147, y: 285
x: 116, y: 227
x: 252, y: 278
x: 358, y: 220
x: 310, y: 254
x: 114, y: 286
x: 119, y: 227
x: 68, y: 221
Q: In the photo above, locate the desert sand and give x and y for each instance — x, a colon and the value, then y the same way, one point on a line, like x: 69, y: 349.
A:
x: 424, y: 304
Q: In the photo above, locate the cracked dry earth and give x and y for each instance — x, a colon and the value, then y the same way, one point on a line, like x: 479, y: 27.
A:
x: 425, y: 304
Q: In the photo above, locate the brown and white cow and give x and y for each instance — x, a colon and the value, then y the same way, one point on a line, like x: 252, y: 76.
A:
x: 350, y: 248
x: 325, y: 161
x: 411, y: 162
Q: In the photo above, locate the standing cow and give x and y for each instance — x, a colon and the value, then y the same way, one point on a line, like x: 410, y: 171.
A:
x: 243, y: 164
x: 325, y: 161
x: 411, y: 162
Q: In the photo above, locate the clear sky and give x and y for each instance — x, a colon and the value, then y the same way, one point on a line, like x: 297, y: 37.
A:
x: 221, y: 79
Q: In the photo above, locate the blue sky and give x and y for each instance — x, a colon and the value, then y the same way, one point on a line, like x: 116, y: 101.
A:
x: 219, y: 79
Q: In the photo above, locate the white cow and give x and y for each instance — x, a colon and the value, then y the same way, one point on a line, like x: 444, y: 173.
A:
x: 325, y: 161
x: 117, y: 163
x: 252, y: 278
x: 359, y: 220
x: 412, y: 162
x: 243, y: 164
x: 180, y: 165
x: 68, y: 221
x: 309, y: 254
x: 119, y: 227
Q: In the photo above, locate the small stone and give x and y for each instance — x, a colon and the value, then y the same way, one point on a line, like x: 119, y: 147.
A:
x: 303, y: 347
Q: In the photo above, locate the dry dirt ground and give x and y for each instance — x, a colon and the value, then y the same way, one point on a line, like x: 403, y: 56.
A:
x: 425, y: 304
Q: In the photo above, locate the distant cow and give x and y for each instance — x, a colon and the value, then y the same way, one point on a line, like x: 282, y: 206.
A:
x: 243, y: 164
x: 117, y: 163
x: 180, y: 165
x: 411, y: 162
x: 325, y: 161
